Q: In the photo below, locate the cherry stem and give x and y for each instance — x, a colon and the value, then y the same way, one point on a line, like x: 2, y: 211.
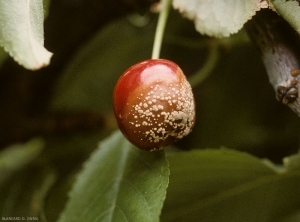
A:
x: 208, y: 67
x: 160, y: 28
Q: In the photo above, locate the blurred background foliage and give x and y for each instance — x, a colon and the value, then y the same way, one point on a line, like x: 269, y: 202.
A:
x: 68, y: 105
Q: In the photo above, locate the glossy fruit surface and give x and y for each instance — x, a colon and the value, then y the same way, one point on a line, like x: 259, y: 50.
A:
x: 154, y: 104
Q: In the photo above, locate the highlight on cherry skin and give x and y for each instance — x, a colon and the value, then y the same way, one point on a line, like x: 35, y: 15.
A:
x: 154, y: 104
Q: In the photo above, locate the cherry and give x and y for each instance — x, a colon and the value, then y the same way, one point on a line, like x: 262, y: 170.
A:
x: 154, y: 104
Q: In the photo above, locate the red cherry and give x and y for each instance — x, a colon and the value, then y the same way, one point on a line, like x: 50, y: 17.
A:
x: 154, y: 104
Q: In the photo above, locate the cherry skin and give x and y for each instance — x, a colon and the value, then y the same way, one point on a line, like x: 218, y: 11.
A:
x: 153, y: 104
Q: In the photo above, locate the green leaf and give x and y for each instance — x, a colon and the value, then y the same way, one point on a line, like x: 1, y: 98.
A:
x: 17, y: 156
x: 292, y: 217
x: 26, y: 192
x: 226, y: 185
x: 292, y: 163
x: 219, y: 18
x: 119, y: 183
x: 289, y: 10
x: 21, y: 32
x: 89, y: 79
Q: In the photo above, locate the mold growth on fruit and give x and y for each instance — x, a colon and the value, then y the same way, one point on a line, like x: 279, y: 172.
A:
x: 154, y: 104
x: 165, y: 111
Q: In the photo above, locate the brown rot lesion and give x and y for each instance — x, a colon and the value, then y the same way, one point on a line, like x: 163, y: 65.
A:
x: 286, y: 94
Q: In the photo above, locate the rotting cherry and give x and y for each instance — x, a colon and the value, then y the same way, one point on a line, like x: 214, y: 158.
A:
x: 154, y: 104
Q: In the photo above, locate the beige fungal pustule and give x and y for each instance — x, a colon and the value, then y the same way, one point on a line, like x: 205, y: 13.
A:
x: 165, y: 115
